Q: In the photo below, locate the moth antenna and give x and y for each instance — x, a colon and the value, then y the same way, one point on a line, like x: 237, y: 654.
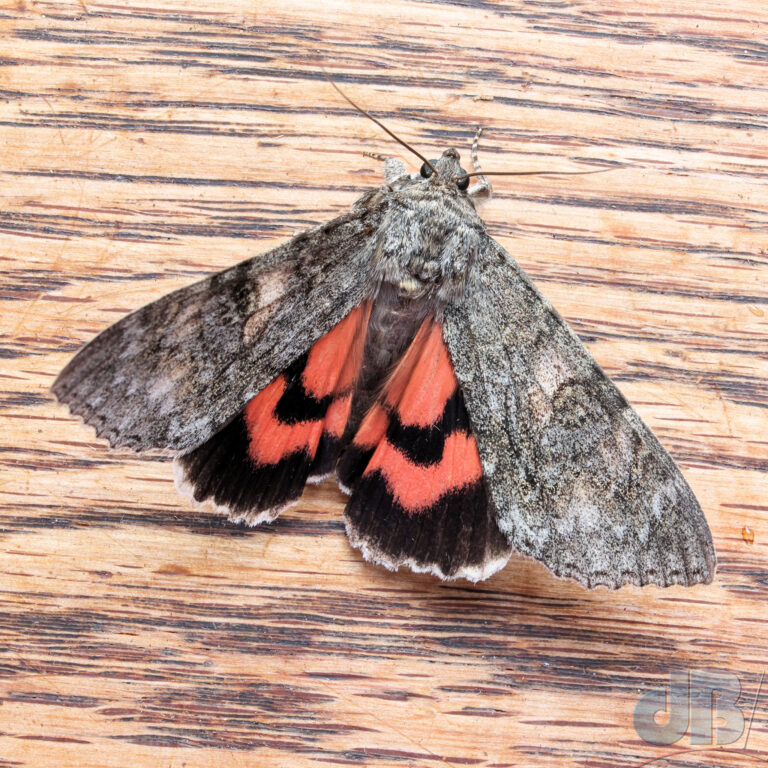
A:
x: 535, y: 173
x: 483, y: 187
x: 380, y: 124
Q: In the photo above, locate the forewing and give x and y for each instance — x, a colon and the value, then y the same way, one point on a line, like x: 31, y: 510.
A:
x: 173, y: 373
x: 579, y: 481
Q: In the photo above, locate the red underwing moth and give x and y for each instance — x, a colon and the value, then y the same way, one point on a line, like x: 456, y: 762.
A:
x: 402, y: 348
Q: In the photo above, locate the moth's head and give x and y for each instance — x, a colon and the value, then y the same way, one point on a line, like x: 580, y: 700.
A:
x: 449, y: 171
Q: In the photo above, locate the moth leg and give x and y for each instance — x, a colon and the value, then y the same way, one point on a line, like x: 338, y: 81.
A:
x: 394, y: 168
x: 483, y: 187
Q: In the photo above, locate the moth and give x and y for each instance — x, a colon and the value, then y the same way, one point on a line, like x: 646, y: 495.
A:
x: 400, y: 347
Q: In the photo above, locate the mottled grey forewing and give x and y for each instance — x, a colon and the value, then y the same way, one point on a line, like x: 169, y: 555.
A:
x: 172, y: 373
x: 578, y: 480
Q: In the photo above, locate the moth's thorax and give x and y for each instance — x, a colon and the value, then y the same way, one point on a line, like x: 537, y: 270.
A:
x: 429, y: 238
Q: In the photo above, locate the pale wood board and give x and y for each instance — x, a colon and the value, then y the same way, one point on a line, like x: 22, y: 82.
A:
x: 144, y: 145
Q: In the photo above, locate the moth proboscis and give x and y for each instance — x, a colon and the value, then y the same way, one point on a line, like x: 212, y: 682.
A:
x: 402, y: 348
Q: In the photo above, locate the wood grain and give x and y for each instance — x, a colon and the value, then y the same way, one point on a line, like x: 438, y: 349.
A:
x: 144, y: 145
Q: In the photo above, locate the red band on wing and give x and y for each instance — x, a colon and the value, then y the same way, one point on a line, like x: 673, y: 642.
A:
x: 426, y: 359
x: 417, y: 436
x: 416, y: 487
x: 403, y: 373
x: 373, y: 427
x: 337, y: 416
x: 272, y: 440
x: 431, y: 383
x: 323, y: 390
x: 334, y: 360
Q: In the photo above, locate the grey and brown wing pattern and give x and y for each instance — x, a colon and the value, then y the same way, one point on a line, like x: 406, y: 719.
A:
x: 175, y: 371
x: 578, y: 480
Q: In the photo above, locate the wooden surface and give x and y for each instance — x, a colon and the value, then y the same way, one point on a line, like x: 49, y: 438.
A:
x: 145, y: 144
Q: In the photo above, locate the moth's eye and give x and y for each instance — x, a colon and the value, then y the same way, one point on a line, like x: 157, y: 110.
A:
x: 462, y: 182
x: 425, y: 171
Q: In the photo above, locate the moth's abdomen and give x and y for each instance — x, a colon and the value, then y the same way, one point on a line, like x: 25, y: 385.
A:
x: 288, y: 434
x: 418, y: 496
x: 394, y: 321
